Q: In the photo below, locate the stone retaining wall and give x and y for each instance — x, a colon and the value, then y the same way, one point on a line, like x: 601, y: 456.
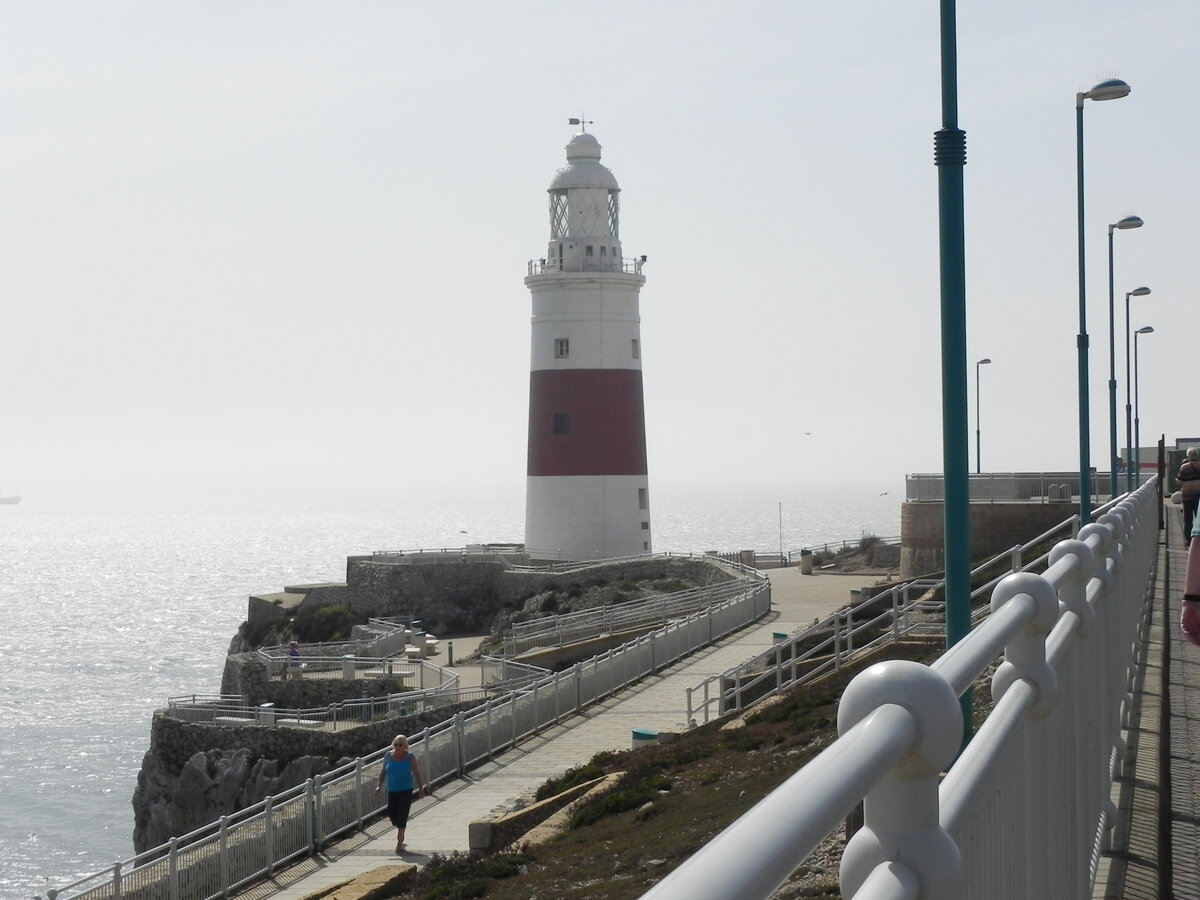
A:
x: 995, y: 527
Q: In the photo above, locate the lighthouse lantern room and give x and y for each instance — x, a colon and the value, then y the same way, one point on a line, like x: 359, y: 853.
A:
x: 587, y: 494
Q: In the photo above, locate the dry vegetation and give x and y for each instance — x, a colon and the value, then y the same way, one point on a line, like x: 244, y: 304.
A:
x: 673, y: 799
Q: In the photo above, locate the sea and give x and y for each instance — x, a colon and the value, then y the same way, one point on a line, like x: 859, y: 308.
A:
x: 107, y: 609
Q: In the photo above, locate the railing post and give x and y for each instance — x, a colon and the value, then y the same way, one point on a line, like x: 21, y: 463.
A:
x: 269, y: 831
x: 460, y: 749
x: 173, y: 868
x: 116, y: 882
x: 318, y: 829
x: 578, y: 687
x: 223, y: 854
x: 358, y: 792
x: 309, y: 816
x: 901, y: 812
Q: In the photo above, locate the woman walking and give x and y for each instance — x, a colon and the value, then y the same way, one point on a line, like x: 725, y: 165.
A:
x: 402, y: 773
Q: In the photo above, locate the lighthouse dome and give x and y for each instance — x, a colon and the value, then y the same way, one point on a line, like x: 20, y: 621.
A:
x: 583, y: 168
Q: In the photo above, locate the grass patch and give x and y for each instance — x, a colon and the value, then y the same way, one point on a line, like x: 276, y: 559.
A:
x: 710, y: 776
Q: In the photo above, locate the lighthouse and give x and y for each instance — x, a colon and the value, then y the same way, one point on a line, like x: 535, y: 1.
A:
x: 587, y: 494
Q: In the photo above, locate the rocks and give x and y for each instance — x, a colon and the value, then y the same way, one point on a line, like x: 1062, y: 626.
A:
x: 211, y: 784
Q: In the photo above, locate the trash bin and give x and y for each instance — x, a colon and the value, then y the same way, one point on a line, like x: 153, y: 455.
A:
x: 805, y: 562
x: 778, y: 637
x: 348, y: 667
x: 643, y: 737
x: 266, y: 714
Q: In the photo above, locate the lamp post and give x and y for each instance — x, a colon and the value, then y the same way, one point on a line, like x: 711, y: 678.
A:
x: 978, y: 363
x: 1127, y: 222
x: 1136, y: 292
x: 1111, y: 89
x: 1137, y: 437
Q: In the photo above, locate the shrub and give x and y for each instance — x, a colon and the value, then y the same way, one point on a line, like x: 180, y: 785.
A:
x: 328, y: 623
x: 619, y: 801
x: 568, y: 779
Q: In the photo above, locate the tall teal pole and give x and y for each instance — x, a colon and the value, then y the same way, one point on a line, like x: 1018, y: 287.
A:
x: 950, y: 156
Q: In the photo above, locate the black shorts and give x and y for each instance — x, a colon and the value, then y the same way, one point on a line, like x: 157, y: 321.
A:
x: 399, y: 803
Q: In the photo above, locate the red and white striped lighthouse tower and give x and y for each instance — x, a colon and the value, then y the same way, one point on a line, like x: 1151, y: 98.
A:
x: 587, y: 495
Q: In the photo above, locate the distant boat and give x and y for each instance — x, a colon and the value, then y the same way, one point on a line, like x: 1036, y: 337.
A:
x: 9, y: 501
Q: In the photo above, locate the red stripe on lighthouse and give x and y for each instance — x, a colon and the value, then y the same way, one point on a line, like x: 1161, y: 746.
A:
x: 606, y: 422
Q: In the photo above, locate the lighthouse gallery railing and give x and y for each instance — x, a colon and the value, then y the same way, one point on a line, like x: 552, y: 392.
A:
x: 1023, y: 810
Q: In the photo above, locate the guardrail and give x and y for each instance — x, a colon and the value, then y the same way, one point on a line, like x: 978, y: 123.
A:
x: 838, y: 639
x: 442, y: 690
x: 251, y: 844
x: 627, y: 265
x: 1022, y: 810
x: 1040, y: 487
x: 568, y: 628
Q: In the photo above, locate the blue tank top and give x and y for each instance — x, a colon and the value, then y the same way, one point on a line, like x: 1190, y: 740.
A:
x: 399, y: 773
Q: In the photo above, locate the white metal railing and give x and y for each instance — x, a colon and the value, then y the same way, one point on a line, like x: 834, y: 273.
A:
x: 251, y: 844
x: 835, y: 641
x: 1022, y: 811
x: 436, y: 687
x: 628, y: 265
x: 559, y: 630
x: 1031, y: 486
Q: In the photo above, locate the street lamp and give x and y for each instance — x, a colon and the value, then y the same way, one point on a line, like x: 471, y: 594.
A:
x: 1137, y: 437
x: 1136, y: 292
x: 1111, y: 89
x: 1127, y: 222
x: 978, y: 363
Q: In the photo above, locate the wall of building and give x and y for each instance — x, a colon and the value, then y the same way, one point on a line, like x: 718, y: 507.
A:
x: 995, y: 527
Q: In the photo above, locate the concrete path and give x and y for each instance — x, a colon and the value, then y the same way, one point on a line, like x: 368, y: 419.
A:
x: 439, y: 824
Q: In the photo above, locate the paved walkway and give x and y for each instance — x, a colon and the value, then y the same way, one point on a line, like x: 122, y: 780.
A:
x: 1155, y: 851
x: 439, y: 824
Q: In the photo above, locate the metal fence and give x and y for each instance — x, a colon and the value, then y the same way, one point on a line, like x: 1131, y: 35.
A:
x: 1022, y: 811
x: 251, y: 844
x: 1041, y: 487
x: 556, y: 631
x: 904, y: 610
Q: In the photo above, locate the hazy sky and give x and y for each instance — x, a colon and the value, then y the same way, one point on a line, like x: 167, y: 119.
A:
x: 282, y: 244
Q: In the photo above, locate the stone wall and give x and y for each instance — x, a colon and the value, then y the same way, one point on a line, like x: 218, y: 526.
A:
x: 246, y: 676
x: 196, y: 772
x: 995, y: 527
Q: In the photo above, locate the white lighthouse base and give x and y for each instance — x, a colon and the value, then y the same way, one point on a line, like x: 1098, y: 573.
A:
x: 579, y: 517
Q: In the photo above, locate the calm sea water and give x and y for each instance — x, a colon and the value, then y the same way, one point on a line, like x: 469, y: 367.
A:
x: 106, y: 612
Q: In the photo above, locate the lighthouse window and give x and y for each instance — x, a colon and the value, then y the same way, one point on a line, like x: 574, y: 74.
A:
x: 637, y: 350
x: 589, y: 250
x: 603, y: 251
x: 558, y: 215
x: 644, y: 500
x: 645, y: 526
x: 614, y: 214
x: 562, y: 423
x: 562, y: 348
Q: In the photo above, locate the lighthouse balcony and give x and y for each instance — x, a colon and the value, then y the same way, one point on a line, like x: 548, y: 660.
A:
x: 587, y: 264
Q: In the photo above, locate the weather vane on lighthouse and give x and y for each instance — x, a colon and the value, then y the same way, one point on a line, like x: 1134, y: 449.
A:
x: 581, y: 121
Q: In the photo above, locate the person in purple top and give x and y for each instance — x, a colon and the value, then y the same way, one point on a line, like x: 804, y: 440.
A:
x: 402, y: 773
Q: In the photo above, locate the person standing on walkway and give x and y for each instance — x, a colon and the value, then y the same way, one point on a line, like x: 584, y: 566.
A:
x: 1189, y: 486
x: 293, y: 661
x: 402, y: 773
x: 1189, y: 609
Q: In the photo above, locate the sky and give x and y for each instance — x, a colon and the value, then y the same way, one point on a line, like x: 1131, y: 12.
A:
x: 281, y: 245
